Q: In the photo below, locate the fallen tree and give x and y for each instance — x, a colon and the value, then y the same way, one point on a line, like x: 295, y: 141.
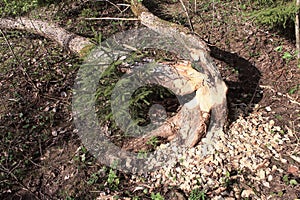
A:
x: 209, y: 103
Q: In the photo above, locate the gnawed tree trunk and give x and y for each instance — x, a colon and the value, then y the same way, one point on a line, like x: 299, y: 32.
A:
x: 206, y: 97
x: 191, y: 121
x: 207, y: 105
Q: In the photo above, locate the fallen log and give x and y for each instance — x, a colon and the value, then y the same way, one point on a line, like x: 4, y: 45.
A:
x: 75, y: 43
x: 203, y: 116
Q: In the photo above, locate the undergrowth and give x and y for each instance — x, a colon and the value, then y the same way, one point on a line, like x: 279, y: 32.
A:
x: 19, y: 7
x: 275, y: 14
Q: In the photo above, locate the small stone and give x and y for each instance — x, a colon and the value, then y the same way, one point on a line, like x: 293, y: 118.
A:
x: 268, y: 171
x: 163, y: 146
x: 178, y: 169
x: 63, y: 94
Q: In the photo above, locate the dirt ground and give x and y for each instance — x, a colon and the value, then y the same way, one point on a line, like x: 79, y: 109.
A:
x: 41, y: 154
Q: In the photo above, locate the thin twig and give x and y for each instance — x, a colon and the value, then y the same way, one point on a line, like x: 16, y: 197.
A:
x: 113, y: 18
x: 123, y: 4
x: 252, y: 98
x: 126, y: 5
x: 187, y: 15
x: 291, y: 99
x: 112, y: 4
x: 9, y: 46
x: 24, y: 187
x: 17, y: 59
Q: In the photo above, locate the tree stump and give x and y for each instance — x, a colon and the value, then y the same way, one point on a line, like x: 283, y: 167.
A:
x: 203, y: 116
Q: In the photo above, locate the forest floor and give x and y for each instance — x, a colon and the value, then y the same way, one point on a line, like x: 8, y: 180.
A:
x: 42, y: 156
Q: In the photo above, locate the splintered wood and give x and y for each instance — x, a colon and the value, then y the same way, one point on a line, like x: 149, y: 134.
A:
x: 189, y: 125
x: 192, y: 121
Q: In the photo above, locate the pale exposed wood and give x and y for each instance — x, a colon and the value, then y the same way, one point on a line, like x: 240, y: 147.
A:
x: 176, y: 127
x: 190, y: 124
x: 191, y: 121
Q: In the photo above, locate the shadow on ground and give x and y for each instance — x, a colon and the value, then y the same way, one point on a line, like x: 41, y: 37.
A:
x: 245, y: 93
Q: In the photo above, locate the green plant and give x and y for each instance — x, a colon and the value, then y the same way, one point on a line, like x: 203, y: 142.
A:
x: 93, y: 179
x: 294, y: 89
x: 113, y: 180
x: 274, y: 13
x: 280, y: 193
x: 227, y: 181
x: 293, y: 182
x: 197, y: 194
x: 97, y: 36
x: 142, y: 154
x: 69, y: 198
x: 287, y: 56
x: 286, y: 179
x: 87, y: 12
x: 153, y: 141
x: 278, y: 49
x: 156, y: 196
x: 17, y: 7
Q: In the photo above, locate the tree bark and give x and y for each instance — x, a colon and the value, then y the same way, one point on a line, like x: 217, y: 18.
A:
x: 191, y: 123
x: 206, y: 97
x: 70, y: 41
